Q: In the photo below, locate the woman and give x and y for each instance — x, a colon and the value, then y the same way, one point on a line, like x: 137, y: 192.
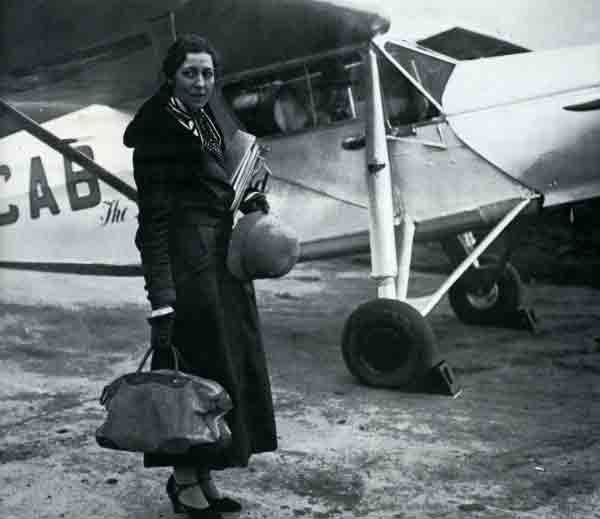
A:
x: 185, y: 221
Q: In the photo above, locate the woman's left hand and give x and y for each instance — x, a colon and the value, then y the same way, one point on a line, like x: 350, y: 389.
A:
x: 161, y: 335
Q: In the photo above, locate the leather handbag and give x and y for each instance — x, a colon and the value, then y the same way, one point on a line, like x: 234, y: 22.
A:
x: 164, y: 412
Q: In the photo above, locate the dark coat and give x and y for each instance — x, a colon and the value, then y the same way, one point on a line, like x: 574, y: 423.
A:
x: 183, y: 235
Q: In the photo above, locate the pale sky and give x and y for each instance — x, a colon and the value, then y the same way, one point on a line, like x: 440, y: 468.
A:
x: 537, y: 24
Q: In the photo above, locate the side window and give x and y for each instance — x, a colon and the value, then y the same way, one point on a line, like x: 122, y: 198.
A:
x: 404, y: 102
x: 293, y: 99
x: 272, y: 103
x: 431, y: 72
x: 332, y: 91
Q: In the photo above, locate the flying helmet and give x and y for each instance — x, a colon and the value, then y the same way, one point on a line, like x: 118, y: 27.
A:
x: 262, y: 246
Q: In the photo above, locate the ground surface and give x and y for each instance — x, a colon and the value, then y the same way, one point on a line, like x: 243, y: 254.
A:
x: 521, y: 441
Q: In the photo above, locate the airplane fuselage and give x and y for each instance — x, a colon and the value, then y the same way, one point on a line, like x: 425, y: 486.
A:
x: 449, y: 170
x: 52, y: 210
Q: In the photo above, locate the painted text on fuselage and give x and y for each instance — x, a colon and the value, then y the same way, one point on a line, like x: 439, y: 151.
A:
x: 83, y: 189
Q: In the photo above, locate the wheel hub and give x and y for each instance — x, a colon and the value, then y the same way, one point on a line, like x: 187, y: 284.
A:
x: 379, y: 349
x: 483, y: 300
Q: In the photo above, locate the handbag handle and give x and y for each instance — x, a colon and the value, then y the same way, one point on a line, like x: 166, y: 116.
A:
x: 106, y: 391
x: 174, y: 351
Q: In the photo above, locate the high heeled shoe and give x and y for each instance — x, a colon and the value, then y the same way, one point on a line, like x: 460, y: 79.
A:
x: 173, y: 491
x: 220, y: 504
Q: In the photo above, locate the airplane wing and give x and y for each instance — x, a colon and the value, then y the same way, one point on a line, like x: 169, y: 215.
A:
x: 67, y: 54
x: 52, y: 32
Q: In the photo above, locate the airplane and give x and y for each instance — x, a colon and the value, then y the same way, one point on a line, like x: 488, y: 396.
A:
x: 374, y: 143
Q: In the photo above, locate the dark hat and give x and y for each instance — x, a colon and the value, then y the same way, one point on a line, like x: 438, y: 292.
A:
x: 262, y: 246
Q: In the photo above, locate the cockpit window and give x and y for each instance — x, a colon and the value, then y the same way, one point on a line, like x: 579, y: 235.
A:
x: 413, y: 83
x: 404, y: 104
x: 297, y: 98
x: 431, y: 72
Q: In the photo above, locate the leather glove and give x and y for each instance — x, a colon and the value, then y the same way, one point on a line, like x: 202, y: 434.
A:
x: 256, y: 203
x: 161, y: 333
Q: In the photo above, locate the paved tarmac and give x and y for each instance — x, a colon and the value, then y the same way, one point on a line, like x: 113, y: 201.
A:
x: 521, y: 441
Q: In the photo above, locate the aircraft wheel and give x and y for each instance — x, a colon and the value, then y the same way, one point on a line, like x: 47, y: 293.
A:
x: 387, y: 343
x: 494, y: 304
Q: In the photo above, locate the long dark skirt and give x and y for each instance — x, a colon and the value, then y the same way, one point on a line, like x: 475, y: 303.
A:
x: 217, y: 331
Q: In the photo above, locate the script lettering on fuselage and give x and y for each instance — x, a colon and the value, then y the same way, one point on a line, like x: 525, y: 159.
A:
x: 83, y: 189
x: 114, y: 213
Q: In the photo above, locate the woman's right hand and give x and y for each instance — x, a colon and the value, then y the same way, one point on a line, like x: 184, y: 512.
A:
x: 258, y: 202
x: 161, y: 334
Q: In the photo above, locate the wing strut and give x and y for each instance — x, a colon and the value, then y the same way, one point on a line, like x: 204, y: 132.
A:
x: 59, y: 145
x: 427, y: 303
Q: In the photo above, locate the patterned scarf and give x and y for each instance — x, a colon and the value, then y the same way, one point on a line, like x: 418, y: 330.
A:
x: 200, y: 125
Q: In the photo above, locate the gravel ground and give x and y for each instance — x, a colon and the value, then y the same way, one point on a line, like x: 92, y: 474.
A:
x: 521, y: 440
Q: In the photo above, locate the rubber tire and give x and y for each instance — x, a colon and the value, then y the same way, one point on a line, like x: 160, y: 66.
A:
x: 509, y: 300
x: 387, y: 343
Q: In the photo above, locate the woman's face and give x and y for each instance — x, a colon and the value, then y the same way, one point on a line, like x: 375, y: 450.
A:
x: 194, y: 80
